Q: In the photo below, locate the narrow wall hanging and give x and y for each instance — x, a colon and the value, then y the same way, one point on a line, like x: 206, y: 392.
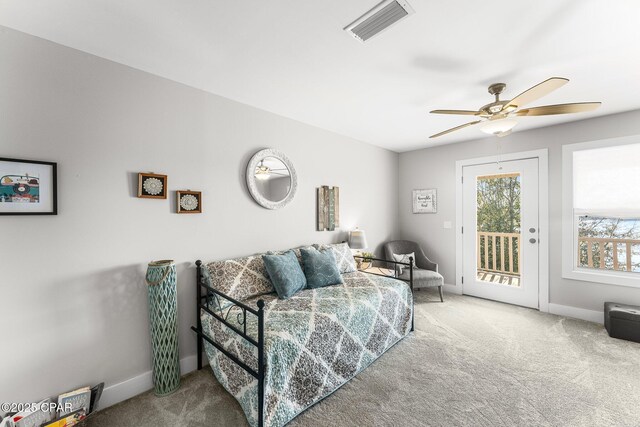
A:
x: 328, y: 208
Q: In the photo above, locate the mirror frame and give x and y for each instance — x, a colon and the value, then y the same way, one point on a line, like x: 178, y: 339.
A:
x: 251, y: 179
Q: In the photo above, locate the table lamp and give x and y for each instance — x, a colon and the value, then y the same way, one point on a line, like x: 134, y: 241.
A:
x: 358, y: 239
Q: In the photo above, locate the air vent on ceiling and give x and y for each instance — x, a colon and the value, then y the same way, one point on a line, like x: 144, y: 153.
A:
x: 379, y: 19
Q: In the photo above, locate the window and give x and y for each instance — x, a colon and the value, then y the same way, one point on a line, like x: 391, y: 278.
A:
x: 601, y: 212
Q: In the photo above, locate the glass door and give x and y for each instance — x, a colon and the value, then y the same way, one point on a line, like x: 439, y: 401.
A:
x: 500, y: 234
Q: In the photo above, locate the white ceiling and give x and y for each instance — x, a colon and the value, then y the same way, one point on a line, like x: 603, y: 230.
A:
x: 291, y: 57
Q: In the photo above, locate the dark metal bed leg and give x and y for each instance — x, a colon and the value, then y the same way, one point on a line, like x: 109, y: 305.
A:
x: 440, y: 290
x: 413, y: 311
x: 260, y: 304
x: 198, y: 321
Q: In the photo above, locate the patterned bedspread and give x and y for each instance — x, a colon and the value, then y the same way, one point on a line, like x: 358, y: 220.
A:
x: 314, y: 342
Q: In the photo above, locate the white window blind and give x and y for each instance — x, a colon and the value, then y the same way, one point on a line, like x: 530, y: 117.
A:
x: 606, y: 181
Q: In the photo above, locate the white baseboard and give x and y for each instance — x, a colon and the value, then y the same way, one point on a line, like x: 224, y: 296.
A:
x: 560, y: 310
x: 452, y: 289
x: 577, y: 313
x: 127, y: 389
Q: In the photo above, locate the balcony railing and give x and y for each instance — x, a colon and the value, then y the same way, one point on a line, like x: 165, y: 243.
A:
x: 604, y: 253
x: 499, y: 252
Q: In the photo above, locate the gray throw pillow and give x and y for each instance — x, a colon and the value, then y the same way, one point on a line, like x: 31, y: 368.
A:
x: 320, y: 268
x: 239, y: 278
x: 285, y: 273
x: 344, y: 257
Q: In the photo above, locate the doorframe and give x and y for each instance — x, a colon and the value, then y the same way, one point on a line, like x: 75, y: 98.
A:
x: 543, y: 216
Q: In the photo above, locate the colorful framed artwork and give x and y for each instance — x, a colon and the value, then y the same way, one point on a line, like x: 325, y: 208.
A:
x: 189, y: 201
x: 425, y: 201
x: 152, y: 186
x: 28, y: 187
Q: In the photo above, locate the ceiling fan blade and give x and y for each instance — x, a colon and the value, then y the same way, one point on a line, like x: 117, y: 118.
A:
x: 548, y: 110
x: 538, y: 91
x: 459, y: 112
x: 455, y: 129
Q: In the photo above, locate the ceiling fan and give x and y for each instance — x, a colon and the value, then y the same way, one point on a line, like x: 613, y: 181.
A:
x: 497, y: 118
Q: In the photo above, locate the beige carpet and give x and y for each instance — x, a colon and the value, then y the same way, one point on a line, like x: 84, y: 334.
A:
x: 470, y: 362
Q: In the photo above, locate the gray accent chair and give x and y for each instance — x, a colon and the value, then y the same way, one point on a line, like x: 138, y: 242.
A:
x: 425, y: 275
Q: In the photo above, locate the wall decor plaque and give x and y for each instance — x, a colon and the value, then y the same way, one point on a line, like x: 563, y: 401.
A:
x: 152, y: 185
x: 425, y: 201
x: 189, y: 201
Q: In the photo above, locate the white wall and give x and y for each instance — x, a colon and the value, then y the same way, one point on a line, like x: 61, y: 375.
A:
x: 435, y: 168
x: 73, y: 299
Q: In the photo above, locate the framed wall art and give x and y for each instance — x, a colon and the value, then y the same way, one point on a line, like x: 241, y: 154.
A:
x: 188, y: 201
x: 152, y: 185
x: 425, y: 201
x: 28, y: 187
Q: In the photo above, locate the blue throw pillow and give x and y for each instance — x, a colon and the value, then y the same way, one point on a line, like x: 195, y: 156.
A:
x: 320, y: 267
x: 285, y: 273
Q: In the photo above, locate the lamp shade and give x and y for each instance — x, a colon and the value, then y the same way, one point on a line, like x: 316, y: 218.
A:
x: 357, y: 239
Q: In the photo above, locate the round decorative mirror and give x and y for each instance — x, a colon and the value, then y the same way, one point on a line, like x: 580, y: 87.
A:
x: 271, y: 179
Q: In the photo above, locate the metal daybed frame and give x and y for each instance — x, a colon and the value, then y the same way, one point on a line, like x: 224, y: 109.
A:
x: 221, y: 314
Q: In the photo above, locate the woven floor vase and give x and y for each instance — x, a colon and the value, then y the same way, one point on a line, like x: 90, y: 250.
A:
x: 163, y: 322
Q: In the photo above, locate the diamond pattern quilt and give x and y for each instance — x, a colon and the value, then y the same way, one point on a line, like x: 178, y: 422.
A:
x: 314, y: 342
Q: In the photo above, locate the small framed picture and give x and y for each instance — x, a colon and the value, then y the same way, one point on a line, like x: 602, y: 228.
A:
x: 28, y: 187
x: 425, y: 201
x: 189, y: 201
x: 152, y: 186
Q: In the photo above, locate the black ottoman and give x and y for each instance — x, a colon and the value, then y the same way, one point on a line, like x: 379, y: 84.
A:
x: 622, y: 321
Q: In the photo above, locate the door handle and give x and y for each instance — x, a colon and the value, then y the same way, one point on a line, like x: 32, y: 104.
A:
x: 532, y: 240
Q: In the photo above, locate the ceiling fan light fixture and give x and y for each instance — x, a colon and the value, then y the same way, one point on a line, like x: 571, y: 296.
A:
x: 498, y: 127
x: 262, y: 173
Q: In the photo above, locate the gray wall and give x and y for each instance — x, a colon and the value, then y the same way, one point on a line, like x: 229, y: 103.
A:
x: 435, y: 168
x: 74, y: 308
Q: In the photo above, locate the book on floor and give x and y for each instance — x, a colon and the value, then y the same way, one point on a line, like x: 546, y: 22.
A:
x: 74, y: 400
x: 96, y: 393
x: 68, y: 420
x: 43, y: 413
